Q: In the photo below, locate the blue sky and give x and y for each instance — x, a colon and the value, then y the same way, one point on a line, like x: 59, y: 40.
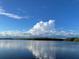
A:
x: 22, y: 15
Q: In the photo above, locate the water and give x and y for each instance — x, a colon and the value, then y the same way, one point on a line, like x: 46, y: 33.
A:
x: 25, y: 49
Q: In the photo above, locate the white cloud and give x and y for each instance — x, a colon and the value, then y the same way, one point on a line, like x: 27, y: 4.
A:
x: 48, y: 29
x: 40, y: 29
x: 10, y: 33
x: 11, y: 15
x: 16, y: 33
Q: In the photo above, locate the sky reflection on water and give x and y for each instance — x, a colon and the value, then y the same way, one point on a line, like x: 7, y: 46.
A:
x: 22, y: 49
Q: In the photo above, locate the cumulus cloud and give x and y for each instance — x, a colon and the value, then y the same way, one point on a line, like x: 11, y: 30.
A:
x: 16, y: 33
x: 10, y: 33
x: 48, y: 29
x: 40, y: 29
x: 11, y: 15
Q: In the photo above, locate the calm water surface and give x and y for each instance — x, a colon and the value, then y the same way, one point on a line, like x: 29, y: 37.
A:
x: 25, y: 49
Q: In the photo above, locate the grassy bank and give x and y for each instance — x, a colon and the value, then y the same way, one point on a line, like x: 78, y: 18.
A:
x: 72, y: 39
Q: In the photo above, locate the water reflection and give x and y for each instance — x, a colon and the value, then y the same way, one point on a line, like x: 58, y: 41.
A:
x: 42, y: 50
x: 54, y: 50
x: 24, y: 49
x: 13, y: 49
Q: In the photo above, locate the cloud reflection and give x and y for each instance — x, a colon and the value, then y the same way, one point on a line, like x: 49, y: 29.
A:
x: 11, y: 44
x: 42, y: 50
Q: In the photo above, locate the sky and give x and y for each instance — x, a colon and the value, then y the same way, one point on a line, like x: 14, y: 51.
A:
x: 36, y: 17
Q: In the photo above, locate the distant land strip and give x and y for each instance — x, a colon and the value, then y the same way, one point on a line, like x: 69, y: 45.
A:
x: 44, y: 39
x: 40, y: 39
